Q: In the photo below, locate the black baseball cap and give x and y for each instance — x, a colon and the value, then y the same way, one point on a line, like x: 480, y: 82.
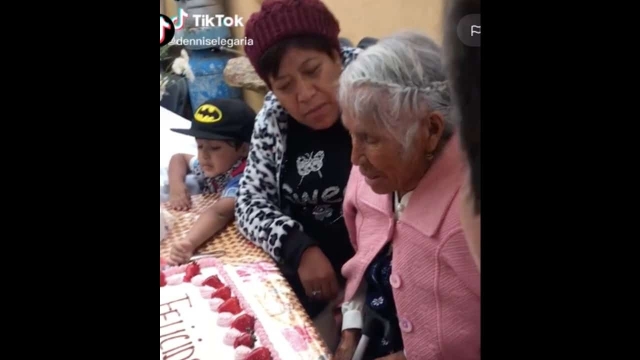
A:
x: 222, y: 119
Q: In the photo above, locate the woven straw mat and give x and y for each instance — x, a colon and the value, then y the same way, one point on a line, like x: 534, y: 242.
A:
x: 235, y: 247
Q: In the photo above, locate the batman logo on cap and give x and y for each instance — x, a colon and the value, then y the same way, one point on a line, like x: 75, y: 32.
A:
x: 207, y: 114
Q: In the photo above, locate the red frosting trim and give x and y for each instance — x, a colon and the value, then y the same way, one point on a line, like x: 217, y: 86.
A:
x: 175, y: 270
x: 260, y: 332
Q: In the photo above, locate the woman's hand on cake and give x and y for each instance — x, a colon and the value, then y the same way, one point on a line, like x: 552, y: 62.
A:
x: 180, y: 252
x: 317, y: 275
x: 179, y: 197
x: 348, y: 344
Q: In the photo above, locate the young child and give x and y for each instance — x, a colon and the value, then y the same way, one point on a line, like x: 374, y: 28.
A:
x: 222, y: 129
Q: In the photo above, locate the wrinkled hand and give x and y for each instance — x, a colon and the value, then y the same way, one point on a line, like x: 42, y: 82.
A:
x: 179, y: 198
x: 394, y: 356
x: 317, y: 275
x: 348, y: 345
x: 180, y: 252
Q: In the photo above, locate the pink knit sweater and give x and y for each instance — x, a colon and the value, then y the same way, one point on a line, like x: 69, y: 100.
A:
x: 436, y: 285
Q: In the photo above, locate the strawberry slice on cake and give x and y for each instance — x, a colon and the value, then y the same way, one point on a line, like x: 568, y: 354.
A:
x: 223, y: 293
x: 247, y: 340
x: 231, y: 306
x: 260, y: 353
x: 244, y: 323
x: 192, y: 270
x: 213, y: 281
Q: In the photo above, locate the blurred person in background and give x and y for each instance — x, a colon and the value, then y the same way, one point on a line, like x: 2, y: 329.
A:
x: 463, y: 66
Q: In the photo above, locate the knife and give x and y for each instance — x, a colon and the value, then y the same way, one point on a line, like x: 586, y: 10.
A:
x: 216, y: 254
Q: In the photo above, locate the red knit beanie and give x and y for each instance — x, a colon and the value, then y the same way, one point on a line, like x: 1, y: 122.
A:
x: 281, y: 19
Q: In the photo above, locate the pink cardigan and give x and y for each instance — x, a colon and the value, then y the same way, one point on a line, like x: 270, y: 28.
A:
x: 436, y: 283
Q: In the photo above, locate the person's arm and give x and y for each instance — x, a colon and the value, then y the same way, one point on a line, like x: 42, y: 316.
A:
x: 352, y: 311
x: 217, y: 216
x: 349, y: 209
x: 211, y: 220
x: 352, y: 322
x: 352, y: 314
x: 178, y: 169
x: 257, y: 210
x: 179, y: 166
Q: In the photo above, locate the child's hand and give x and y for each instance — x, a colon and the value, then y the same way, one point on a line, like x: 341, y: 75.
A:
x: 180, y: 252
x: 179, y: 198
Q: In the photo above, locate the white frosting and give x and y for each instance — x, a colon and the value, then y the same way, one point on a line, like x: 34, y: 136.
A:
x: 274, y: 320
x: 190, y: 327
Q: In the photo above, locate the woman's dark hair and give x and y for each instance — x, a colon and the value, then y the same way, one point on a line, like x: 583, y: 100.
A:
x: 269, y: 63
x: 464, y: 73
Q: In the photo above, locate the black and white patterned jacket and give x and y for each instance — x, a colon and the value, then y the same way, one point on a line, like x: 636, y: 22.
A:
x: 258, y: 213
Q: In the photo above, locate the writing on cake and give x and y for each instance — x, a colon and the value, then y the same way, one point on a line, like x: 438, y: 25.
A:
x: 178, y: 333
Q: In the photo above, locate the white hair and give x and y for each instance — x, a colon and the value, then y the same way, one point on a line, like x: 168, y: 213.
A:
x: 396, y: 83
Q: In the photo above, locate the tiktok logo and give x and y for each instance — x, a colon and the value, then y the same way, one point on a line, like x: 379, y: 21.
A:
x: 167, y: 30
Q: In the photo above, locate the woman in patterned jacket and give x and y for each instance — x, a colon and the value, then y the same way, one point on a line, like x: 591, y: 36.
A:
x: 290, y: 198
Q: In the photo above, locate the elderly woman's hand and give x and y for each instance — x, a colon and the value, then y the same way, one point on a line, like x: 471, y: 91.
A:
x: 348, y: 344
x: 317, y: 275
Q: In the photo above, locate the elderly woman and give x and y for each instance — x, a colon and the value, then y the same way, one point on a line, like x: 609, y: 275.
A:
x: 412, y: 287
x: 290, y: 198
